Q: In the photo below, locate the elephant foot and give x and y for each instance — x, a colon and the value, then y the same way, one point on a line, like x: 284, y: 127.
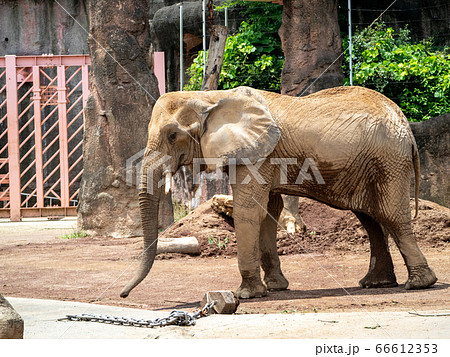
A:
x: 420, y: 277
x: 275, y: 282
x: 385, y: 279
x: 251, y: 288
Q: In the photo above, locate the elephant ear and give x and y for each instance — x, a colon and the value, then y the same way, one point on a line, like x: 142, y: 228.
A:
x: 239, y: 126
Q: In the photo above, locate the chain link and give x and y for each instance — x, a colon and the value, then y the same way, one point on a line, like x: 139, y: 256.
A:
x: 177, y: 318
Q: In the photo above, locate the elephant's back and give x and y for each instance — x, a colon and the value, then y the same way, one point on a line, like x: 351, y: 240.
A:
x: 337, y: 127
x: 341, y: 115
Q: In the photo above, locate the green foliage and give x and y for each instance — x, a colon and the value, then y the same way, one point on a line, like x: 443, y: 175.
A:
x: 74, y: 234
x: 415, y: 75
x: 253, y: 56
x: 218, y: 242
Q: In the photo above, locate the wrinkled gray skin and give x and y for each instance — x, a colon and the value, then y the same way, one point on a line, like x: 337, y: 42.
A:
x: 359, y: 140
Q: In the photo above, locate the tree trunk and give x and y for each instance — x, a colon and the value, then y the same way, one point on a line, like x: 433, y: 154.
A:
x: 311, y: 42
x: 215, y: 58
x: 123, y: 92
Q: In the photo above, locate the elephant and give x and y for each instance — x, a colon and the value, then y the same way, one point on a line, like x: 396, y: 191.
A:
x: 356, y: 142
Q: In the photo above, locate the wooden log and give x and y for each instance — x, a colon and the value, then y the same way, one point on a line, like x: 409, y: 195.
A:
x: 290, y: 220
x: 215, y: 58
x: 226, y: 302
x: 186, y: 245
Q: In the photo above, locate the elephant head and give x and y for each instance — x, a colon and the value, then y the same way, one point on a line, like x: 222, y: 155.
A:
x: 224, y: 125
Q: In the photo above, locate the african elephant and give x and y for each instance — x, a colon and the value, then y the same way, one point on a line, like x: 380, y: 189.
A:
x: 356, y: 142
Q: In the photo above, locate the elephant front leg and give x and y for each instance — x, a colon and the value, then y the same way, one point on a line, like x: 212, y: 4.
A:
x: 247, y: 238
x: 270, y: 262
x: 248, y: 213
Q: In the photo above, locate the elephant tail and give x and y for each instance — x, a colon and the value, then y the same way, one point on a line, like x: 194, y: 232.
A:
x: 416, y: 164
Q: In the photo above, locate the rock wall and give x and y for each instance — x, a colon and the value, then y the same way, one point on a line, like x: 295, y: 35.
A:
x: 312, y: 60
x: 34, y: 27
x: 433, y: 141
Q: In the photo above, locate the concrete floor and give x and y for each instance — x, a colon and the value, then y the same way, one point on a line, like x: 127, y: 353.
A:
x: 35, y: 230
x: 40, y: 322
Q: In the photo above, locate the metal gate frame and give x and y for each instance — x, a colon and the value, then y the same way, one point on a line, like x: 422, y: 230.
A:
x: 25, y: 158
x: 28, y: 154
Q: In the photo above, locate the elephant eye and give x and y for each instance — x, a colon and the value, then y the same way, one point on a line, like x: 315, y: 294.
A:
x: 172, y: 136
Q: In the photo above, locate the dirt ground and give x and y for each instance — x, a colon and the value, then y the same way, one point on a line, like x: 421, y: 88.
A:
x: 322, y: 265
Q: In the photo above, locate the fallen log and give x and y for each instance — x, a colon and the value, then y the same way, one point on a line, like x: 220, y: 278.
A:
x: 185, y: 245
x: 289, y: 219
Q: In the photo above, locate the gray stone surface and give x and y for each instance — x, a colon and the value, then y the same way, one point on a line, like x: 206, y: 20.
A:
x: 312, y: 60
x: 40, y: 318
x: 433, y: 141
x: 11, y: 324
x: 30, y: 27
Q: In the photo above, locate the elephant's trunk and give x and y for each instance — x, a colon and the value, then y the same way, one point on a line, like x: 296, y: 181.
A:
x: 149, y: 205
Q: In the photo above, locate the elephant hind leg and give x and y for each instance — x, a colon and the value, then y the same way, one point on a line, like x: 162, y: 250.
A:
x: 420, y: 275
x: 270, y: 262
x: 381, y: 269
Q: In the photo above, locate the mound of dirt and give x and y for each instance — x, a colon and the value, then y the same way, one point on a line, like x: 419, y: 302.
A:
x: 215, y: 233
x: 327, y: 229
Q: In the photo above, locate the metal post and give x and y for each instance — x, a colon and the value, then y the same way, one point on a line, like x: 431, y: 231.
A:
x: 204, y: 35
x: 13, y: 139
x: 350, y: 40
x: 159, y: 70
x: 226, y: 17
x: 38, y: 138
x: 85, y: 84
x: 63, y: 137
x: 181, y: 48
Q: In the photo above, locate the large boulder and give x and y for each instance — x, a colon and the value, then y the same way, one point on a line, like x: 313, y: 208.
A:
x: 11, y: 324
x: 433, y: 140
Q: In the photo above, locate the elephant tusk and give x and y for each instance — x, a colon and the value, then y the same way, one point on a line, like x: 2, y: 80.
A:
x: 168, y: 181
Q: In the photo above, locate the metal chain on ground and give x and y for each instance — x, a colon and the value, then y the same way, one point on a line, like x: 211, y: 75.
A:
x: 177, y: 318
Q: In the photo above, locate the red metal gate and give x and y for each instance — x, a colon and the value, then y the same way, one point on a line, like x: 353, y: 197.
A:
x: 42, y: 101
x: 41, y: 134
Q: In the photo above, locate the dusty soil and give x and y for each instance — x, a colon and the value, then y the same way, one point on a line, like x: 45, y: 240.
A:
x: 327, y: 228
x: 326, y: 279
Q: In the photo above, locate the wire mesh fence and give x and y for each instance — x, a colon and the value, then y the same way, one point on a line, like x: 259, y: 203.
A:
x: 254, y: 57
